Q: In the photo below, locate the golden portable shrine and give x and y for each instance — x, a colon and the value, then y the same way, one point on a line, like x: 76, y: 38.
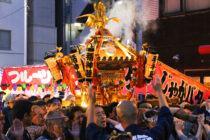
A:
x: 103, y: 63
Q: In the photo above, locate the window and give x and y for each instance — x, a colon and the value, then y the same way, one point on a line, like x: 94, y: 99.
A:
x: 5, y: 40
x: 192, y: 5
x: 172, y: 6
x: 182, y: 6
x: 6, y: 1
x: 207, y: 81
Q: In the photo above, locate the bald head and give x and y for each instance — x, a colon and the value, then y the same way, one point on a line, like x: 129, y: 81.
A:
x: 127, y: 112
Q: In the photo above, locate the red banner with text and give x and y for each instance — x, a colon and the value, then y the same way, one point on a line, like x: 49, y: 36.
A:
x: 176, y: 84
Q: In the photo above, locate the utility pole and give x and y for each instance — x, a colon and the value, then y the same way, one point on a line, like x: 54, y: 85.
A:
x: 70, y: 39
x: 25, y: 32
x: 139, y: 37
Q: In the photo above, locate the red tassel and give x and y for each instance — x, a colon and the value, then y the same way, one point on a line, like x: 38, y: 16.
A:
x: 66, y: 76
x: 129, y: 95
x: 140, y: 72
x: 96, y: 78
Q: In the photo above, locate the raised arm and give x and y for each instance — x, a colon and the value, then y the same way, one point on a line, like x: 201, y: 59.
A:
x: 205, y: 126
x: 199, y: 131
x: 113, y: 122
x: 164, y: 125
x: 93, y: 132
x: 174, y: 110
x: 158, y: 88
x: 91, y: 106
x: 178, y: 128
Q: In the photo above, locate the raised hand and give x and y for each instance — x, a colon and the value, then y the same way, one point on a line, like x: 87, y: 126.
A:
x: 178, y: 124
x: 18, y: 128
x: 157, y: 85
x: 201, y: 118
x: 92, y: 96
x: 52, y: 108
x: 183, y: 104
x: 58, y: 131
x: 158, y: 88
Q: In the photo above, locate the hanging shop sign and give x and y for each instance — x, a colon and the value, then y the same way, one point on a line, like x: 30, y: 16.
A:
x: 27, y: 75
x: 37, y: 79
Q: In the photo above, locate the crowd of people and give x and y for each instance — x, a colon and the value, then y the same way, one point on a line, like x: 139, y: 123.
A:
x: 34, y: 118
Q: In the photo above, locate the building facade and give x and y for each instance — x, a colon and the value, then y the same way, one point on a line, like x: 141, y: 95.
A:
x: 42, y: 32
x: 12, y: 45
x: 181, y: 28
x: 68, y: 27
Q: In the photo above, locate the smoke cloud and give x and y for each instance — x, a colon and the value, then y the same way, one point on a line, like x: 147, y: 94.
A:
x: 127, y: 11
x: 130, y: 15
